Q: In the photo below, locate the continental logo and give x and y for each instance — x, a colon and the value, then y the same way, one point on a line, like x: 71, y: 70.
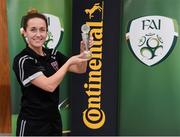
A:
x: 94, y: 116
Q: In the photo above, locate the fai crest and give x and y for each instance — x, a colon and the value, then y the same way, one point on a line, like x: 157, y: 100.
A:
x: 152, y: 38
x: 55, y: 32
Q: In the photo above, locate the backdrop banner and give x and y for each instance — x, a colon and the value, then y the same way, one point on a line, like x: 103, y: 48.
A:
x: 149, y: 68
x: 94, y: 94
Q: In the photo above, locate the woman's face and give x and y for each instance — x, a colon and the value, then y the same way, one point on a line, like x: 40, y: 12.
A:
x: 36, y: 32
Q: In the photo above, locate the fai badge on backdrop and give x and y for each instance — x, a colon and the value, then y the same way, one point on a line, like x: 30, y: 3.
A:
x: 152, y: 38
x: 55, y: 32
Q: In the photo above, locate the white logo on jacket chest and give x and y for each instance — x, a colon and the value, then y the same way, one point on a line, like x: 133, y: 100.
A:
x: 55, y: 65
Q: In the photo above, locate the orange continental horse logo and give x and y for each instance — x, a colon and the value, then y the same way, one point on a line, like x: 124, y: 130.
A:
x: 96, y: 7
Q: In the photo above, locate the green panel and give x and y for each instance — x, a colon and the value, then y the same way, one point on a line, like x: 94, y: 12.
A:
x: 149, y: 96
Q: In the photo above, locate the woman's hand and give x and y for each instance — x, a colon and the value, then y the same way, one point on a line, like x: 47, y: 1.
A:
x: 78, y: 63
x: 77, y: 59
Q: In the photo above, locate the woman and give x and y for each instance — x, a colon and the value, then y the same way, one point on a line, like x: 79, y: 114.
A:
x: 39, y: 72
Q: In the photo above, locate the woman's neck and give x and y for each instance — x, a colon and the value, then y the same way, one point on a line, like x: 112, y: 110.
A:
x: 38, y: 50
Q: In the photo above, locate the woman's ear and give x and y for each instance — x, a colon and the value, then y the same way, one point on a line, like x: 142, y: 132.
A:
x: 22, y: 31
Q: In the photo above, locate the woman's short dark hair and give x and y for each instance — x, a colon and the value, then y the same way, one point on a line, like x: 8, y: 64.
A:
x: 33, y: 13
